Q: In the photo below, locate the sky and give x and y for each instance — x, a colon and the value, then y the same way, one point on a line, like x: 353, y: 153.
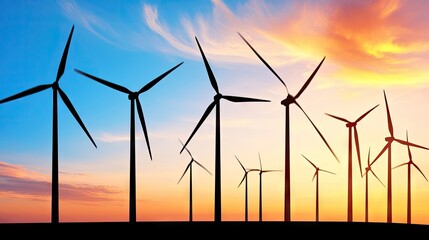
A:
x: 370, y: 47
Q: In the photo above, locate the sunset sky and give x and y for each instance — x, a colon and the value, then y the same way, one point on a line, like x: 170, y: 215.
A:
x: 370, y: 46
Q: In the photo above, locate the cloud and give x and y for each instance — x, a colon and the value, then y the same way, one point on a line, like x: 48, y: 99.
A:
x: 19, y: 181
x: 365, y: 42
x: 370, y: 42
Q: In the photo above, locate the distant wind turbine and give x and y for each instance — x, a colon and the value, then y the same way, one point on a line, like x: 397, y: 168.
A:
x: 246, y: 171
x: 134, y: 99
x: 389, y: 140
x: 316, y: 175
x: 409, y: 163
x: 189, y: 167
x: 287, y: 102
x: 261, y: 171
x: 55, y: 90
x: 352, y: 130
x: 216, y: 103
x: 367, y: 170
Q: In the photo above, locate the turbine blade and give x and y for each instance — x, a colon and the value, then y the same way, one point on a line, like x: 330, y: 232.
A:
x: 62, y: 65
x: 266, y: 64
x: 369, y: 154
x: 373, y: 173
x: 260, y: 162
x: 339, y: 118
x: 320, y: 134
x: 240, y: 163
x: 326, y: 171
x: 26, y: 92
x: 242, y: 180
x: 402, y: 164
x: 315, y: 174
x: 186, y: 169
x: 309, y: 161
x: 420, y: 171
x: 156, y: 80
x: 199, y: 164
x: 409, y: 150
x: 203, y: 118
x: 309, y: 79
x: 364, y: 115
x: 104, y: 82
x: 357, y: 149
x: 73, y: 111
x: 410, y: 144
x: 389, y: 119
x: 209, y: 70
x: 143, y: 123
x: 186, y: 149
x: 381, y: 152
x: 243, y: 99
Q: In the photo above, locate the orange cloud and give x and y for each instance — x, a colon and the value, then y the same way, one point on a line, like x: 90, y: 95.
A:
x: 373, y: 42
x: 19, y: 181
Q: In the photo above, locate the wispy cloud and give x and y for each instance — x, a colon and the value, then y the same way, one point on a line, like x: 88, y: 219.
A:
x: 365, y: 42
x: 19, y: 181
x: 371, y: 42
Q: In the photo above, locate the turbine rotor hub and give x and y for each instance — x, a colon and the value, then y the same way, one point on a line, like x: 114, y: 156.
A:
x: 288, y: 100
x: 217, y: 97
x: 351, y: 124
x: 133, y: 96
x: 55, y: 85
x: 389, y: 139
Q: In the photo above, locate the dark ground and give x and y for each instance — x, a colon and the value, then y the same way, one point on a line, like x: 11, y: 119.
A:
x: 211, y: 230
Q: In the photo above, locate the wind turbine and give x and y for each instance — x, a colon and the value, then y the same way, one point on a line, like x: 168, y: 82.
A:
x: 389, y: 140
x: 261, y: 171
x: 216, y: 103
x: 189, y: 167
x: 246, y: 171
x: 55, y: 91
x: 134, y: 100
x: 367, y: 170
x: 409, y: 163
x: 287, y: 102
x: 316, y: 175
x: 352, y: 130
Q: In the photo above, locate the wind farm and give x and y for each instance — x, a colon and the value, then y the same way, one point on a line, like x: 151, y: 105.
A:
x: 344, y: 58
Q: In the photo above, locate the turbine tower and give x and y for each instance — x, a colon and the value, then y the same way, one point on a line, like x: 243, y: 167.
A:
x: 289, y: 100
x: 134, y: 100
x: 216, y: 103
x: 352, y: 131
x: 55, y: 91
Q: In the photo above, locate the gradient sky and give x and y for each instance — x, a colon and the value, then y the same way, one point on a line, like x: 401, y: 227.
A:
x: 370, y: 46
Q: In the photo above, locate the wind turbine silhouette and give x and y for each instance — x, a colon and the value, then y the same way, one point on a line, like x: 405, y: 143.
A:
x: 134, y: 100
x: 246, y: 171
x: 352, y: 130
x: 409, y: 163
x: 389, y: 140
x: 216, y: 103
x: 287, y: 102
x: 367, y: 170
x: 55, y: 91
x: 189, y: 167
x: 261, y: 171
x: 316, y: 175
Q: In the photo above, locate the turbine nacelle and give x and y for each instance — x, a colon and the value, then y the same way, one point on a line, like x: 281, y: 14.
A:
x: 389, y: 139
x: 288, y: 100
x: 133, y: 95
x: 218, y: 97
x: 55, y: 85
x: 351, y: 124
